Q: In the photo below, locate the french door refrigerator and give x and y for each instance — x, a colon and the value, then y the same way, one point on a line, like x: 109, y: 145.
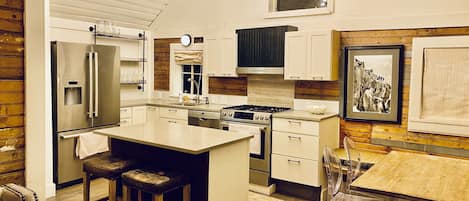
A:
x: 85, y: 96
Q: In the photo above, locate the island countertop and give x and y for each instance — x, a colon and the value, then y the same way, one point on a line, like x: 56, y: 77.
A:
x: 177, y: 137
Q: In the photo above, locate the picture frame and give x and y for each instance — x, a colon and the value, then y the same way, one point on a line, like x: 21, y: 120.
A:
x: 372, y: 83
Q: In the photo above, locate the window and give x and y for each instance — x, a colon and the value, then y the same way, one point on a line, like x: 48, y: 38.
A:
x: 284, y: 5
x: 293, y: 8
x: 191, y: 77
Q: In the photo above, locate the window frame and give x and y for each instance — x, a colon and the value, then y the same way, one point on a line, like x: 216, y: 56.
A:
x: 175, y: 71
x: 416, y: 123
x: 192, y: 75
x: 271, y: 7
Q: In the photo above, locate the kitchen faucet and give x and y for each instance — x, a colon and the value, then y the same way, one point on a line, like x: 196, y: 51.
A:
x: 197, y: 98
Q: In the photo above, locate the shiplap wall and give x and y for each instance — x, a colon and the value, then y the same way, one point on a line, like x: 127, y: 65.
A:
x: 128, y: 13
x: 12, y: 90
x: 365, y: 132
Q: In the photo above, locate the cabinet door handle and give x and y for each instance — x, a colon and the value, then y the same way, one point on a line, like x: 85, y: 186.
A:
x: 294, y: 77
x: 294, y: 138
x: 172, y: 110
x: 295, y: 122
x: 169, y: 121
x: 317, y: 77
x: 297, y: 162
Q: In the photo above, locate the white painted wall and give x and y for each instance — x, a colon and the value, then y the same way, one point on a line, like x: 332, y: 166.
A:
x: 207, y: 16
x: 77, y: 31
x: 38, y: 119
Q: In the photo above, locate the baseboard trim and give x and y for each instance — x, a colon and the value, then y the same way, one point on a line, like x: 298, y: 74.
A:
x: 266, y: 190
x: 50, y: 190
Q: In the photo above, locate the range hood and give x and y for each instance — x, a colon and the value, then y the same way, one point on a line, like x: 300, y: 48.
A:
x: 262, y: 50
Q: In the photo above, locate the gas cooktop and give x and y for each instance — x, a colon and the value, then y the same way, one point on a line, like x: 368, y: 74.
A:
x: 257, y: 108
x: 250, y: 113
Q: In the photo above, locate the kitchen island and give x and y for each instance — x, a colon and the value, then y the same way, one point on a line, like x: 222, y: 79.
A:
x: 216, y: 161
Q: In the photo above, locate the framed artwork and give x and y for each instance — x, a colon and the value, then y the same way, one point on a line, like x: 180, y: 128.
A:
x: 372, y: 83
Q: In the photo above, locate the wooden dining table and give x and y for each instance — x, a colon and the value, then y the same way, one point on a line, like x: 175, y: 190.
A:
x: 413, y: 176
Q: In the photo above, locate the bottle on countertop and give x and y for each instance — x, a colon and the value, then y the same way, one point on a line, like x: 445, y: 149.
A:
x: 180, y: 98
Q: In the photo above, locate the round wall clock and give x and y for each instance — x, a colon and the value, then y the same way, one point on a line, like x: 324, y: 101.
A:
x: 186, y: 40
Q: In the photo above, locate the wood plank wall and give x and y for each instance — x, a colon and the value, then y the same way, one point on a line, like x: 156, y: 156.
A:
x: 218, y: 85
x: 365, y: 132
x: 12, y: 90
x: 228, y: 86
x: 161, y: 53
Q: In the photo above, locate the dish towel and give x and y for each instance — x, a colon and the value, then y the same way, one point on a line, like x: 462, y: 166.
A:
x: 255, y: 143
x: 89, y: 144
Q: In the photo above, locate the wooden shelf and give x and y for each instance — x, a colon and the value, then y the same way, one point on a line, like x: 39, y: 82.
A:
x: 120, y: 37
x: 134, y: 82
x: 129, y: 59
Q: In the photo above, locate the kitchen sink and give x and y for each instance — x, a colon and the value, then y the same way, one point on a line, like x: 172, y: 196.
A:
x: 186, y: 104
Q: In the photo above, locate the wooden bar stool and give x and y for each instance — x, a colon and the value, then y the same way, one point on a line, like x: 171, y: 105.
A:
x: 107, y: 166
x: 155, y: 182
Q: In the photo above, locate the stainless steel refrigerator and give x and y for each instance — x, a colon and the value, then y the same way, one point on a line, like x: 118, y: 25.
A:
x: 85, y: 96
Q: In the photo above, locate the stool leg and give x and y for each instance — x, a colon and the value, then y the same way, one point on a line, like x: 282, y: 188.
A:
x: 126, y: 193
x: 158, y: 197
x: 86, y: 186
x: 186, y: 193
x: 113, y: 190
x: 140, y: 195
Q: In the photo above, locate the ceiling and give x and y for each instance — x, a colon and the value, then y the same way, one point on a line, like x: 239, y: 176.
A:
x: 127, y: 13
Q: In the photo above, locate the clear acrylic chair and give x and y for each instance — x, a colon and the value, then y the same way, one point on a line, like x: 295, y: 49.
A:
x: 335, y: 177
x: 353, y: 162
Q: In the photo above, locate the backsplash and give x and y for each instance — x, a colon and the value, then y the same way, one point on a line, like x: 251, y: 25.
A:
x: 271, y: 90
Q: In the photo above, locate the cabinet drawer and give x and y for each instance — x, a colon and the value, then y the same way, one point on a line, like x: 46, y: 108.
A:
x: 303, y: 146
x: 173, y: 121
x: 174, y: 113
x: 126, y: 112
x: 296, y: 126
x: 295, y: 170
x: 126, y: 122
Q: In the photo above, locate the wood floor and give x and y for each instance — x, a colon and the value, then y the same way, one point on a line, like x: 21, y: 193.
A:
x: 99, y: 191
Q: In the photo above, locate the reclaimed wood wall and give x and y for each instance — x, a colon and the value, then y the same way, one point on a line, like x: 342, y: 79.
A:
x: 12, y: 91
x: 364, y: 133
x: 218, y: 85
x: 161, y: 68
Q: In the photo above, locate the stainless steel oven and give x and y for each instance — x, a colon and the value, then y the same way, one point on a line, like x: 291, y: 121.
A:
x: 259, y: 163
x: 255, y: 120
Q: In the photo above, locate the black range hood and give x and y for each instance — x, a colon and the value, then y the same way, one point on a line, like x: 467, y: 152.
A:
x: 262, y: 50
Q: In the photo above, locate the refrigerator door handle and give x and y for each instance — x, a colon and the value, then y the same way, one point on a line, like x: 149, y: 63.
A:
x: 96, y: 84
x: 90, y: 68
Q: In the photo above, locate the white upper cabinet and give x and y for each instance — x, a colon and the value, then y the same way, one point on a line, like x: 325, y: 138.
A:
x: 296, y: 56
x: 220, y: 55
x: 312, y: 55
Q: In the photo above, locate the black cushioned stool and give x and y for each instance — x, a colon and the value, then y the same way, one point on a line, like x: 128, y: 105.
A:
x: 107, y: 166
x: 155, y: 182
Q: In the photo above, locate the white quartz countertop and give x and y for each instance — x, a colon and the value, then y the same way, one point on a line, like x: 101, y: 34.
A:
x: 303, y: 115
x: 171, y: 103
x: 177, y: 137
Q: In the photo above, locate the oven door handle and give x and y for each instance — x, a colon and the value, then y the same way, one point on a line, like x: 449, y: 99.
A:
x: 227, y: 124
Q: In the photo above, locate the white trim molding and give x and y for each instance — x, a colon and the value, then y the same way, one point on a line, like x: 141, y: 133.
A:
x: 271, y: 6
x: 417, y: 121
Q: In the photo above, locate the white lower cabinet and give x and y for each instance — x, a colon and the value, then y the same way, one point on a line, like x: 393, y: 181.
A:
x: 173, y: 121
x: 125, y: 122
x: 290, y: 144
x: 139, y: 115
x: 298, y: 170
x: 152, y: 114
x: 297, y: 149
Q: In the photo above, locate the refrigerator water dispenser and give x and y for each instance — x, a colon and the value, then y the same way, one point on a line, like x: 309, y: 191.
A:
x: 72, y: 96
